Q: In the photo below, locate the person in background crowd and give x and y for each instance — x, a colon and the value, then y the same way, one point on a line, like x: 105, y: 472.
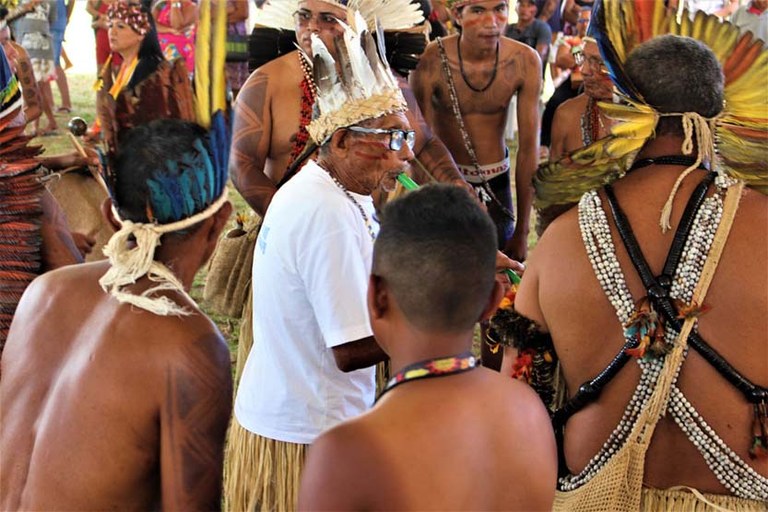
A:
x: 753, y: 17
x: 530, y: 30
x: 176, y: 22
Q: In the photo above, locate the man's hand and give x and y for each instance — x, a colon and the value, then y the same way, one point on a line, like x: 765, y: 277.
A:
x: 504, y: 262
x: 517, y: 246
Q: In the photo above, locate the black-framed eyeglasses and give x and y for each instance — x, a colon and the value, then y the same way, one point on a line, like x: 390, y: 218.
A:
x: 396, y: 136
x: 324, y: 20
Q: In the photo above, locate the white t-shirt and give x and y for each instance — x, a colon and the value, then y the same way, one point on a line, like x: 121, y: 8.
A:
x: 310, y: 279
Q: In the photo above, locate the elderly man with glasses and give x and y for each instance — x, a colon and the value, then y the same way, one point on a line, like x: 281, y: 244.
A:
x: 312, y: 361
x: 579, y: 122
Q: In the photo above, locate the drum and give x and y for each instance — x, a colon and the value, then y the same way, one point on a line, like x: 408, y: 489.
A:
x: 81, y: 197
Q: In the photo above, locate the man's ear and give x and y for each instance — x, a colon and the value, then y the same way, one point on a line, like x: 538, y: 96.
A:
x: 340, y: 142
x: 493, y: 301
x: 220, y: 219
x: 378, y: 298
x: 106, y: 211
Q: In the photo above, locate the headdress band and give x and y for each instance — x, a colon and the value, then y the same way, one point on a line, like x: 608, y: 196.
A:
x: 131, y: 15
x: 129, y: 264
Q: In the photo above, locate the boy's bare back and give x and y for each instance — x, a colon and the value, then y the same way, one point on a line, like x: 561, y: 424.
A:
x: 468, y: 441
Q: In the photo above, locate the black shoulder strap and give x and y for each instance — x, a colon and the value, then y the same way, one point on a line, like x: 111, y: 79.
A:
x: 590, y: 391
x: 658, y: 288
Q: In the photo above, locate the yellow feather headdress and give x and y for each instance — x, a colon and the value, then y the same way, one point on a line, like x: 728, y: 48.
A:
x: 737, y: 138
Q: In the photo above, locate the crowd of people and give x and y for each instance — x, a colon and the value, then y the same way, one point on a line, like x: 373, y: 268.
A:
x: 626, y: 371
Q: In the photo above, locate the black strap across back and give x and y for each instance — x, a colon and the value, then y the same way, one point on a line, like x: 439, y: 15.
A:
x: 658, y: 288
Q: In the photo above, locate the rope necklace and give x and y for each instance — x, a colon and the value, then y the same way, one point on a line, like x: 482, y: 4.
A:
x: 431, y: 368
x: 367, y: 221
x: 464, y: 76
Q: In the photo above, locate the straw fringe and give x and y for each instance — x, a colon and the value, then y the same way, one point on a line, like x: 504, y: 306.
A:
x: 261, y: 473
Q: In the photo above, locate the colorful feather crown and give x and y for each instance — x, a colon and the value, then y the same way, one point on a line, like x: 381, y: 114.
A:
x: 361, y: 87
x: 740, y: 131
x: 181, y: 192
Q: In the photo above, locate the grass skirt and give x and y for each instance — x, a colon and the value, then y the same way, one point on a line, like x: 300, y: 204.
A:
x: 261, y: 473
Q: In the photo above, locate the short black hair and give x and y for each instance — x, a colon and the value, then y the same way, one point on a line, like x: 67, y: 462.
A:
x: 158, y: 152
x: 695, y: 84
x: 437, y: 251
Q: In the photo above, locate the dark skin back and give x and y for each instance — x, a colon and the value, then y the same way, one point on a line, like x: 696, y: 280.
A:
x: 108, y: 406
x: 415, y: 448
x: 561, y: 292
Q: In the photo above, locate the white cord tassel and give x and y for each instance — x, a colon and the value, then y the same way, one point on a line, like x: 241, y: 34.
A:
x: 129, y: 264
x: 694, y: 125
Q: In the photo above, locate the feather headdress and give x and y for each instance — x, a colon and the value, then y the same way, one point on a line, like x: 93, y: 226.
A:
x: 739, y: 133
x: 391, y: 14
x: 361, y: 86
x: 192, y: 189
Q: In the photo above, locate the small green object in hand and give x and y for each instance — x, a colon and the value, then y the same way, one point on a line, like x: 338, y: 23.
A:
x: 512, y: 276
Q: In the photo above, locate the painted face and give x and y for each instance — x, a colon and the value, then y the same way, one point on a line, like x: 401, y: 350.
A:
x: 318, y: 17
x: 122, y: 38
x: 379, y: 164
x: 526, y: 10
x: 483, y: 22
x: 597, y: 84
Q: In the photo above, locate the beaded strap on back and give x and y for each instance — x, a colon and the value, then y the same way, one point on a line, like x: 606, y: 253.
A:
x: 601, y: 251
x: 619, y: 485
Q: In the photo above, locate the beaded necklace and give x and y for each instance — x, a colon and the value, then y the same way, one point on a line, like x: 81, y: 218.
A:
x: 308, y: 96
x: 431, y: 368
x: 464, y: 75
x: 591, y: 122
x: 484, y: 191
x: 367, y: 221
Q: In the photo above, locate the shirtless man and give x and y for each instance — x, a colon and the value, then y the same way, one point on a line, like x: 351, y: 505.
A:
x: 144, y: 399
x: 415, y: 449
x: 567, y: 302
x: 487, y: 71
x: 268, y: 115
x: 578, y: 122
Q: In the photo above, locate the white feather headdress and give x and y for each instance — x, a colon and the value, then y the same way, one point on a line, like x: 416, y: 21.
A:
x: 392, y: 14
x: 361, y: 86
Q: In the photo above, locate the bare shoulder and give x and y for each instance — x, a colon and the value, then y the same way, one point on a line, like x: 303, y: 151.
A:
x: 275, y: 72
x: 563, y: 234
x: 572, y: 106
x: 428, y: 60
x: 515, y: 49
x: 338, y: 469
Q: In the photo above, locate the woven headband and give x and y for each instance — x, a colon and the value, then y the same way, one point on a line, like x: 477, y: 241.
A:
x: 131, y: 15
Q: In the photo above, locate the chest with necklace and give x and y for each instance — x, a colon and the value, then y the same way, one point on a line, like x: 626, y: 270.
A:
x: 366, y: 219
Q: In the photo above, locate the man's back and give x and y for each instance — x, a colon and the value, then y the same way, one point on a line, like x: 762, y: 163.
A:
x: 107, y: 406
x: 587, y: 334
x: 417, y: 448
